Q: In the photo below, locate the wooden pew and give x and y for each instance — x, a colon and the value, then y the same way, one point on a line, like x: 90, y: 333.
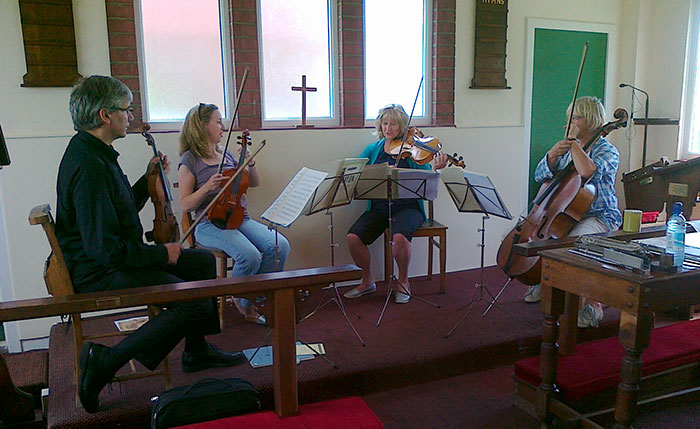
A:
x: 283, y: 289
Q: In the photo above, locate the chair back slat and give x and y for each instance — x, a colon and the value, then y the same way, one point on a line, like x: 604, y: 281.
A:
x: 186, y: 223
x: 56, y: 274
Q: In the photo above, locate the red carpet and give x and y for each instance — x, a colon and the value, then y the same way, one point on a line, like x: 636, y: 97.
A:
x: 408, y: 348
x: 347, y: 413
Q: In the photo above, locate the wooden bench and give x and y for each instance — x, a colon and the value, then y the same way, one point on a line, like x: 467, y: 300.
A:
x: 587, y: 380
x: 283, y: 291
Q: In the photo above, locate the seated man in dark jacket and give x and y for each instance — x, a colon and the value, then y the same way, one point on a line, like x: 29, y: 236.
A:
x: 100, y: 234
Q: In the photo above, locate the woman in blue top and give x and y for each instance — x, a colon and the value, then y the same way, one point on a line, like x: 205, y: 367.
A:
x: 252, y: 245
x: 407, y: 214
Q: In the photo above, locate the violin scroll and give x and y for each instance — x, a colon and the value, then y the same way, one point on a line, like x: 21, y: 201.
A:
x: 456, y: 160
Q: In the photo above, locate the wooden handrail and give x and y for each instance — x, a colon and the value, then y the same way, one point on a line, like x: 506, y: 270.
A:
x: 35, y: 308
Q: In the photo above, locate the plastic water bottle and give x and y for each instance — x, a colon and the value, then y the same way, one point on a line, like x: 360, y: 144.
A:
x: 675, y: 235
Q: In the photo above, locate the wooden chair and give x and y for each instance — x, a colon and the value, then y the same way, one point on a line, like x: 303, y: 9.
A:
x: 59, y: 284
x: 222, y: 259
x: 431, y: 229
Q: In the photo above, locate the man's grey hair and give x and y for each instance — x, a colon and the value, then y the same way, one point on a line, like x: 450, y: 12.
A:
x: 92, y: 94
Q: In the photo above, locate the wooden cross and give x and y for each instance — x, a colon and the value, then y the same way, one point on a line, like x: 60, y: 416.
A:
x: 303, y: 88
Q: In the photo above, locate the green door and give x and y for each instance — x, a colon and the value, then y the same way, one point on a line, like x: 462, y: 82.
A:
x: 557, y: 57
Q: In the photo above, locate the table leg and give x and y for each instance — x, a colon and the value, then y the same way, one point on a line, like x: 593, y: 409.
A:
x: 568, y: 330
x: 552, y: 307
x: 284, y: 354
x: 635, y: 332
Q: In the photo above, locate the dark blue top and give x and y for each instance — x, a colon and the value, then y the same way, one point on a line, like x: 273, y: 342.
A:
x: 97, y: 218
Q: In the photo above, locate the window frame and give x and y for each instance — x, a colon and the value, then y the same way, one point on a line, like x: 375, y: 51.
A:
x: 243, y: 52
x: 427, y: 72
x: 227, y: 61
x: 316, y: 121
x: 690, y: 82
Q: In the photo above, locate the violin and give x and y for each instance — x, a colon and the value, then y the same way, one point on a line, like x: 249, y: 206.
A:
x: 165, y: 227
x: 228, y: 211
x: 421, y: 148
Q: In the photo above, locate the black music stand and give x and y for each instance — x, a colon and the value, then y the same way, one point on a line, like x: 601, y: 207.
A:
x: 335, y: 191
x: 383, y: 182
x: 475, y: 193
x: 4, y: 154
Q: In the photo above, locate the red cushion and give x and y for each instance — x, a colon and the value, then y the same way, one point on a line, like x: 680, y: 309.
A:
x: 350, y: 413
x: 596, y: 365
x: 649, y: 217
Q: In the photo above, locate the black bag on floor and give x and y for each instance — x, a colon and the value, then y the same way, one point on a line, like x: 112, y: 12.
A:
x: 208, y: 399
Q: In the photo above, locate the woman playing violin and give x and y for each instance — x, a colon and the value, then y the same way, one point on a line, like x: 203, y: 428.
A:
x: 252, y: 245
x: 599, y: 167
x: 408, y: 214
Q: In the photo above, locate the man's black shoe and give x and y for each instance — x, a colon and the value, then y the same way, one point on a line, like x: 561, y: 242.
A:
x: 210, y: 357
x: 93, y: 376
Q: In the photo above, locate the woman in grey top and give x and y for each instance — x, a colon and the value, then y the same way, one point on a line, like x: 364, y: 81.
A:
x: 252, y: 245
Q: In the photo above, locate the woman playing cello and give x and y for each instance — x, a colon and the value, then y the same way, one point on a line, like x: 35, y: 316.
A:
x: 598, y: 167
x: 408, y: 214
x: 252, y: 245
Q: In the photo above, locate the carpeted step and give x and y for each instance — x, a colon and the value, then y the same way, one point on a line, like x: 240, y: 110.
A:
x: 596, y: 365
x: 29, y: 372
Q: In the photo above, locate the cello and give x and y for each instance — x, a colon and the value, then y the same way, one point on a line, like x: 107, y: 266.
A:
x: 560, y: 203
x: 165, y: 227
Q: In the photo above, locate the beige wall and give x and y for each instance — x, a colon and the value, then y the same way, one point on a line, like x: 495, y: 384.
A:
x: 489, y: 133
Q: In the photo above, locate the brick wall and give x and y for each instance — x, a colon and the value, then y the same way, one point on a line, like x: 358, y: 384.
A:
x: 121, y: 30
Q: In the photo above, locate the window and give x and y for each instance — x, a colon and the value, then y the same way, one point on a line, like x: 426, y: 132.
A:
x: 295, y: 40
x: 690, y: 113
x: 396, y: 56
x: 182, y: 57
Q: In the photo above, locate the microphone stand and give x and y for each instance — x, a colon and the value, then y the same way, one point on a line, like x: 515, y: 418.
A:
x: 646, y: 120
x: 646, y: 123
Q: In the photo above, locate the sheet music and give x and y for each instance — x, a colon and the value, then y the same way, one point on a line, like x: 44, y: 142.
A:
x: 372, y: 182
x: 331, y: 193
x: 293, y: 199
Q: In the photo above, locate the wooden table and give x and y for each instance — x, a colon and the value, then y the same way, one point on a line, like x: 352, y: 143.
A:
x: 568, y: 330
x: 637, y: 297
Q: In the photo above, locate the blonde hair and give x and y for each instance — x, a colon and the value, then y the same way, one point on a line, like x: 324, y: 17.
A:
x: 395, y: 112
x: 194, y: 130
x: 590, y: 108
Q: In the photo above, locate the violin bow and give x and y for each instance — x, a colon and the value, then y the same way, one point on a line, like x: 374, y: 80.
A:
x: 578, y: 82
x: 233, y: 117
x: 408, y: 124
x: 223, y: 189
x: 549, y: 189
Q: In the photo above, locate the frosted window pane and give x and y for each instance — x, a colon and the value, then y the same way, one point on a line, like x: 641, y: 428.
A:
x: 694, y: 144
x: 182, y: 57
x: 394, y: 54
x: 295, y: 42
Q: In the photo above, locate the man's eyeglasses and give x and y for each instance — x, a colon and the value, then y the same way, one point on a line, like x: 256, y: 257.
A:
x: 129, y: 110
